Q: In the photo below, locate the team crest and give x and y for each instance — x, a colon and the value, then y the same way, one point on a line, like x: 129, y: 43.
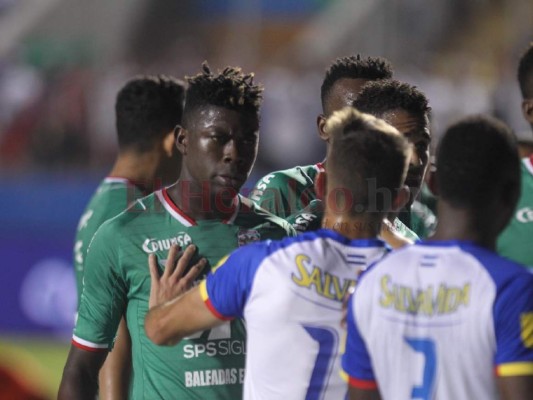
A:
x: 246, y: 236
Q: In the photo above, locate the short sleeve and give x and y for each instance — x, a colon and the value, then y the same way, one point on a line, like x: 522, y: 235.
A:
x: 513, y: 319
x: 103, y: 300
x: 226, y: 290
x: 356, y: 360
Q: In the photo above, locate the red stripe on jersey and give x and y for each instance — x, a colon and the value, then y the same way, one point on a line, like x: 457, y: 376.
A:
x: 320, y: 167
x: 362, y: 384
x: 215, y: 312
x: 176, y: 208
x: 87, y: 348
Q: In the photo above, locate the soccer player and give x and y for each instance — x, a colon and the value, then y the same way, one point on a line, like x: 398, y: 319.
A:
x: 448, y: 318
x: 515, y: 240
x: 147, y: 109
x: 287, y: 193
x: 290, y: 292
x: 407, y: 109
x: 218, y: 142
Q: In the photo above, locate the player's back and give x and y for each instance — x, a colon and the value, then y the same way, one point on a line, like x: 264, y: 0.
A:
x: 436, y: 319
x: 293, y: 315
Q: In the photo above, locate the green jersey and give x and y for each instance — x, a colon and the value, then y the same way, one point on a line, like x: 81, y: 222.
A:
x: 209, y: 365
x: 290, y: 194
x: 515, y: 242
x: 112, y: 196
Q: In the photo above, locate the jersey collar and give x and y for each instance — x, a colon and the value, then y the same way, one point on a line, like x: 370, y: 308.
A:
x: 320, y: 167
x: 185, y: 219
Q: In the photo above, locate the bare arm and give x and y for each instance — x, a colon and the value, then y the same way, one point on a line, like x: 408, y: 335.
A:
x: 515, y: 387
x: 116, y: 372
x: 80, y: 376
x: 363, y: 394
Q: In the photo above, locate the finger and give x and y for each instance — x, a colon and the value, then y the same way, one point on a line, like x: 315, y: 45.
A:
x: 184, y: 260
x: 195, y: 271
x: 152, y: 265
x: 171, y: 260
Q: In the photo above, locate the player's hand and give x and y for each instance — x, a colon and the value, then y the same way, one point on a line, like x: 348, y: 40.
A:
x: 172, y: 283
x: 391, y: 236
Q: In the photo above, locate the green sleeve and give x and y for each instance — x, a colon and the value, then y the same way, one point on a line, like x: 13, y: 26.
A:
x: 403, y: 230
x: 276, y: 193
x: 103, y: 300
x: 309, y: 219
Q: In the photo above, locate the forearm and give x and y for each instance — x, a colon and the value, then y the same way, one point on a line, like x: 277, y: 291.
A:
x: 162, y: 325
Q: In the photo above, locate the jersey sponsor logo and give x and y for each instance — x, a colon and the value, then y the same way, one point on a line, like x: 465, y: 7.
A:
x: 261, y: 186
x: 151, y: 245
x: 85, y: 219
x: 219, y: 343
x: 323, y: 283
x: 245, y: 236
x: 525, y: 215
x: 214, y: 377
x: 429, y: 301
x: 302, y: 221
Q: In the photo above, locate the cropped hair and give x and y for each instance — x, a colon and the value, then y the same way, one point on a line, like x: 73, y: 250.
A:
x: 367, y: 159
x: 379, y: 97
x: 354, y: 67
x: 229, y: 88
x: 146, y: 109
x: 477, y: 160
x: 525, y: 73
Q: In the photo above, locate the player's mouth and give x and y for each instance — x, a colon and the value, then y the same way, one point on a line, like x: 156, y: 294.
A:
x: 234, y: 181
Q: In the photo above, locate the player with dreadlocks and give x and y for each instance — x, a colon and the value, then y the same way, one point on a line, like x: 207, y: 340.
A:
x: 201, y: 212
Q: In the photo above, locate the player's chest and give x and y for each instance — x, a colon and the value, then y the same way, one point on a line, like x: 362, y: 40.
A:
x: 212, y: 242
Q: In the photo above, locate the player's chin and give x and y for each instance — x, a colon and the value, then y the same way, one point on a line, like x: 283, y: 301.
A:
x: 227, y: 185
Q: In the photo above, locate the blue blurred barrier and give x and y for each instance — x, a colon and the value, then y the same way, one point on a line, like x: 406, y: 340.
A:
x: 38, y: 218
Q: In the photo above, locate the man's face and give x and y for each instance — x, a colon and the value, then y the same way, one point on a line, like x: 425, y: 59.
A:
x: 342, y: 94
x: 416, y: 130
x: 220, y: 148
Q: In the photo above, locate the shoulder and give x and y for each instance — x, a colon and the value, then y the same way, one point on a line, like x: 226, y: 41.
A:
x: 302, y: 175
x: 506, y: 274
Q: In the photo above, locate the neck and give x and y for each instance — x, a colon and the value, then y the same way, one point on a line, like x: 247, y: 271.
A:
x: 197, y: 201
x: 460, y: 224
x: 362, y: 226
x: 139, y: 168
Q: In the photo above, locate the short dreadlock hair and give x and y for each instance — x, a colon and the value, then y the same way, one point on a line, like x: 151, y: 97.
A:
x: 525, y: 73
x: 354, y: 67
x: 147, y: 108
x: 380, y: 97
x: 229, y: 89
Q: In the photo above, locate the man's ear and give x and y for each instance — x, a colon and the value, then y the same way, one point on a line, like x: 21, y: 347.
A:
x: 321, y: 123
x: 169, y: 144
x: 401, y: 199
x: 527, y: 110
x: 181, y: 138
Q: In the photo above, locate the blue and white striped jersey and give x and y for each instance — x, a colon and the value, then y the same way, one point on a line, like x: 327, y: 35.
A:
x: 290, y: 294
x: 438, y: 320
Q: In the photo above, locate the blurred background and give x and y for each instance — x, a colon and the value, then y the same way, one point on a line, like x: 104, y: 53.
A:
x: 62, y: 63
